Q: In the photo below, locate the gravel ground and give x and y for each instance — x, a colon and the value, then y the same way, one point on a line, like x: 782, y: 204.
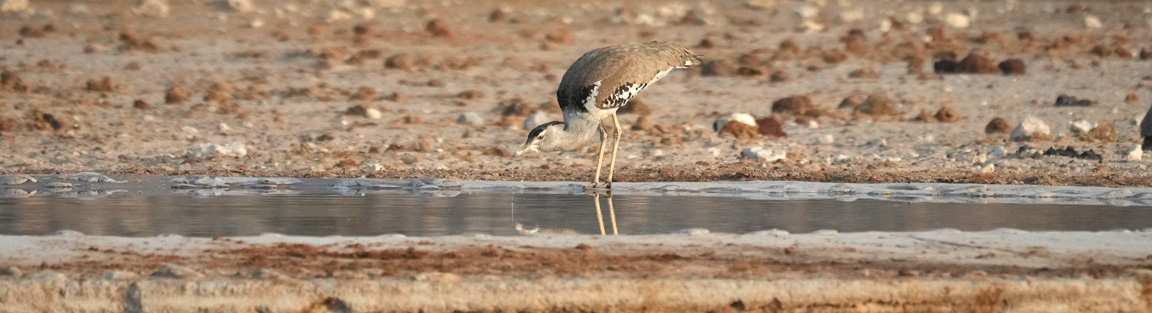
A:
x: 316, y: 89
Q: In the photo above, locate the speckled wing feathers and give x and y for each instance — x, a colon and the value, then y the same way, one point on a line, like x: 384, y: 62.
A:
x: 622, y: 71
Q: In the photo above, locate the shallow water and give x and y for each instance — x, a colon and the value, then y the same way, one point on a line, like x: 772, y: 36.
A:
x: 151, y: 206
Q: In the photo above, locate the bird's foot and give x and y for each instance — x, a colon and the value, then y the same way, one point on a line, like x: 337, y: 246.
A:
x: 597, y: 185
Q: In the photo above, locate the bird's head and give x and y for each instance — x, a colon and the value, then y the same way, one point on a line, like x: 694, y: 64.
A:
x: 543, y: 138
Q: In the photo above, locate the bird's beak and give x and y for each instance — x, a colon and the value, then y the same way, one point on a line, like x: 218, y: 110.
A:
x: 525, y: 148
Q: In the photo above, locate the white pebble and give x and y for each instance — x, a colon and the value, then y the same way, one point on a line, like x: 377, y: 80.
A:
x: 840, y: 158
x: 151, y: 8
x: 470, y: 118
x: 13, y: 5
x: 914, y: 17
x: 1135, y: 153
x: 1092, y: 22
x: 988, y: 168
x: 223, y: 127
x: 807, y: 11
x: 958, y: 20
x: 813, y: 124
x: 373, y: 113
x: 997, y: 152
x: 762, y: 155
x: 241, y: 6
x: 826, y: 139
x: 1081, y: 127
x: 1028, y: 127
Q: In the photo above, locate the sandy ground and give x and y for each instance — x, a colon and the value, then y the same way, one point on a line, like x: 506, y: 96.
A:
x: 998, y: 271
x: 348, y: 89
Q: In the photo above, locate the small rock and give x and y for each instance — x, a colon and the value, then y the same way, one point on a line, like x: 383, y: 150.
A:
x: 535, y: 119
x: 470, y: 118
x: 877, y: 104
x: 121, y: 275
x: 739, y: 130
x: 977, y: 64
x: 151, y: 8
x: 826, y: 140
x: 16, y: 179
x: 769, y: 126
x: 851, y: 102
x: 176, y: 271
x: 438, y: 277
x: 103, y: 85
x: 795, y: 104
x: 759, y: 154
x: 373, y: 113
x: 13, y: 6
x: 471, y: 94
x: 1013, y: 67
x: 867, y: 73
x: 268, y: 274
x: 925, y: 117
x: 1066, y: 100
x: 11, y: 271
x: 1030, y: 128
x: 957, y: 20
x: 948, y: 115
x: 176, y: 94
x: 987, y: 168
x: 840, y: 158
x: 438, y: 28
x: 1092, y: 22
x: 642, y: 123
x: 240, y: 6
x: 998, y: 126
x: 1103, y: 133
x: 738, y: 117
x: 1132, y: 98
x: 998, y: 152
x: 1080, y: 127
x: 1135, y: 153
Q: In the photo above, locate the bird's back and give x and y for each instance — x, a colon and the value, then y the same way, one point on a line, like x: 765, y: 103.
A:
x: 611, y: 75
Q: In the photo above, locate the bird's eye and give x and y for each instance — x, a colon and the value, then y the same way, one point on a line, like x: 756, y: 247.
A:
x: 541, y: 137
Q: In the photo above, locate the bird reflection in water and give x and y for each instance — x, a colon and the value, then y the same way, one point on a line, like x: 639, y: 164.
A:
x: 564, y: 231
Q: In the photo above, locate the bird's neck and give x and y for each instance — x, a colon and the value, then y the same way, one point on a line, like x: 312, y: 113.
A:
x: 578, y: 130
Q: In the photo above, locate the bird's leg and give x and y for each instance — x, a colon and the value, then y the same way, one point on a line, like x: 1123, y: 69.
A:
x: 615, y: 149
x: 600, y: 158
x: 611, y: 213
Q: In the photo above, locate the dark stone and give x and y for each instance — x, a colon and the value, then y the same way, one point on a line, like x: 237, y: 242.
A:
x: 1013, y: 67
x: 794, y: 105
x: 1070, y: 101
x: 1071, y: 152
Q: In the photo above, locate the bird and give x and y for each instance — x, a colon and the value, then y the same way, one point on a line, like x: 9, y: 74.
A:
x: 600, y: 82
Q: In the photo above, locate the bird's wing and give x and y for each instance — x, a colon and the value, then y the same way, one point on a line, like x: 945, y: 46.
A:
x: 607, y: 78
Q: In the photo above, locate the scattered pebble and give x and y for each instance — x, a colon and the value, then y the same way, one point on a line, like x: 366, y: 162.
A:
x: 826, y: 139
x: 1092, y: 22
x: 1013, y: 67
x: 14, y: 6
x: 740, y: 130
x: 1030, y: 128
x: 102, y: 85
x: 957, y: 20
x: 1066, y: 100
x: 16, y: 179
x: 642, y: 123
x: 987, y: 168
x: 1135, y: 153
x: 470, y: 118
x: 795, y: 105
x: 151, y: 8
x: 1103, y: 133
x: 998, y: 126
x: 851, y: 102
x: 770, y: 126
x: 738, y: 117
x: 439, y: 28
x: 177, y: 271
x: 204, y: 150
x: 1071, y: 152
x: 438, y: 277
x: 760, y: 154
x: 877, y: 104
x: 241, y: 6
x: 1080, y: 127
x: 948, y: 115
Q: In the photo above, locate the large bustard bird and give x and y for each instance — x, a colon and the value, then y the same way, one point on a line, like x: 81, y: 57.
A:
x: 595, y: 86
